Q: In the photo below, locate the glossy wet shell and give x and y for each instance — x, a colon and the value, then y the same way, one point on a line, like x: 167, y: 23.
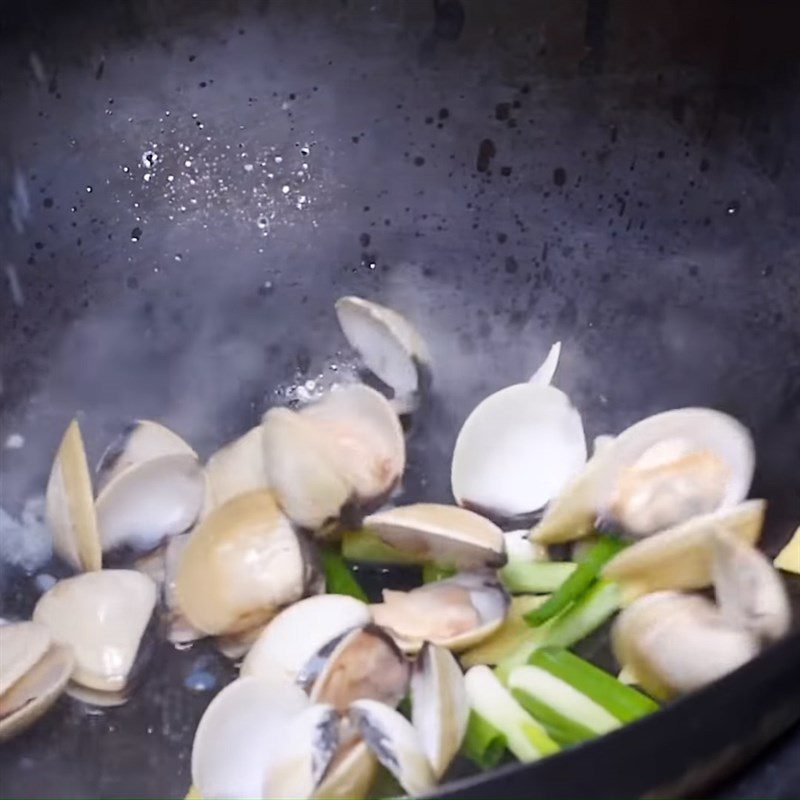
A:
x: 33, y: 694
x: 241, y: 565
x: 102, y: 617
x: 283, y: 651
x: 236, y: 468
x: 22, y: 644
x: 444, y: 534
x: 69, y: 505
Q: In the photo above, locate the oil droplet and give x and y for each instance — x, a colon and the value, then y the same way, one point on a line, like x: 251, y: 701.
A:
x: 149, y: 159
x: 136, y: 234
x: 733, y: 207
x: 263, y: 223
x: 88, y: 189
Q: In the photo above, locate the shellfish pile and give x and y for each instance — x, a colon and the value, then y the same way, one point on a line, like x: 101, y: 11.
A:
x: 163, y: 544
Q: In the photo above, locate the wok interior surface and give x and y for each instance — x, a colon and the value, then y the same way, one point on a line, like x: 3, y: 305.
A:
x: 188, y: 189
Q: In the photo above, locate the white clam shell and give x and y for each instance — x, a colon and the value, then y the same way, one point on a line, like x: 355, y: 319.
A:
x: 32, y: 694
x: 657, y: 440
x: 350, y: 774
x: 749, y: 591
x: 439, y: 705
x: 150, y: 501
x: 396, y: 744
x: 238, y: 733
x: 390, y: 346
x: 69, y: 504
x: 680, y: 558
x: 444, y: 534
x: 676, y: 643
x: 102, y: 616
x: 304, y: 753
x: 22, y: 644
x: 236, y: 468
x: 241, y: 565
x: 517, y: 450
x: 547, y: 369
x: 279, y: 650
x: 141, y: 440
x: 345, y: 449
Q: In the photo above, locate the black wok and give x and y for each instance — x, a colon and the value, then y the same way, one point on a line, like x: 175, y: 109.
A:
x: 621, y: 176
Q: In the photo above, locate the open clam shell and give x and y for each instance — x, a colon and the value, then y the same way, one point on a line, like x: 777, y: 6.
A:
x: 672, y: 466
x: 22, y: 644
x: 69, y: 504
x: 31, y: 694
x: 396, y: 744
x: 241, y: 565
x: 139, y: 441
x: 293, y: 637
x: 439, y: 705
x: 238, y: 734
x: 350, y: 774
x: 680, y: 558
x: 455, y: 613
x: 675, y: 643
x: 749, y: 591
x: 303, y: 755
x: 444, y: 534
x: 547, y: 369
x: 149, y: 501
x: 390, y: 346
x: 517, y: 450
x: 102, y: 616
x: 345, y: 452
x: 236, y: 468
x: 363, y: 663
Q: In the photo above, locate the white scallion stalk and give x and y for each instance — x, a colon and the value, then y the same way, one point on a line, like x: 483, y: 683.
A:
x: 525, y: 737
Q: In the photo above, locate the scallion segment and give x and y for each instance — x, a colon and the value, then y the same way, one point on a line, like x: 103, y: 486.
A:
x: 483, y: 743
x: 535, y: 577
x: 624, y: 702
x: 338, y: 577
x: 578, y: 582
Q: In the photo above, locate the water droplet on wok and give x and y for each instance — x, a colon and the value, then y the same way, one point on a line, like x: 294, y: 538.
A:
x: 136, y: 234
x: 149, y: 159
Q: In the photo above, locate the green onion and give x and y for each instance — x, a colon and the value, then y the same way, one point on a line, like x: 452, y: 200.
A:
x: 574, y: 624
x: 578, y: 582
x: 364, y: 545
x: 433, y: 572
x: 524, y: 736
x: 624, y: 702
x: 483, y: 743
x: 338, y: 578
x: 568, y: 715
x: 535, y: 577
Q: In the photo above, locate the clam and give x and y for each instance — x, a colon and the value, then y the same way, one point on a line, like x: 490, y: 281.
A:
x: 789, y: 557
x: 343, y: 454
x: 241, y: 565
x: 179, y: 629
x: 390, y: 346
x: 455, y: 613
x: 517, y: 450
x: 238, y: 734
x: 658, y: 473
x: 303, y: 754
x: 363, y: 663
x: 235, y: 469
x: 396, y: 744
x: 547, y: 369
x: 102, y: 616
x: 149, y: 501
x: 444, y: 534
x: 749, y: 591
x: 235, y: 646
x: 439, y: 705
x: 281, y: 652
x: 70, y: 510
x: 350, y: 774
x: 139, y: 441
x: 33, y: 673
x: 675, y: 643
x: 680, y: 558
x: 674, y: 466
